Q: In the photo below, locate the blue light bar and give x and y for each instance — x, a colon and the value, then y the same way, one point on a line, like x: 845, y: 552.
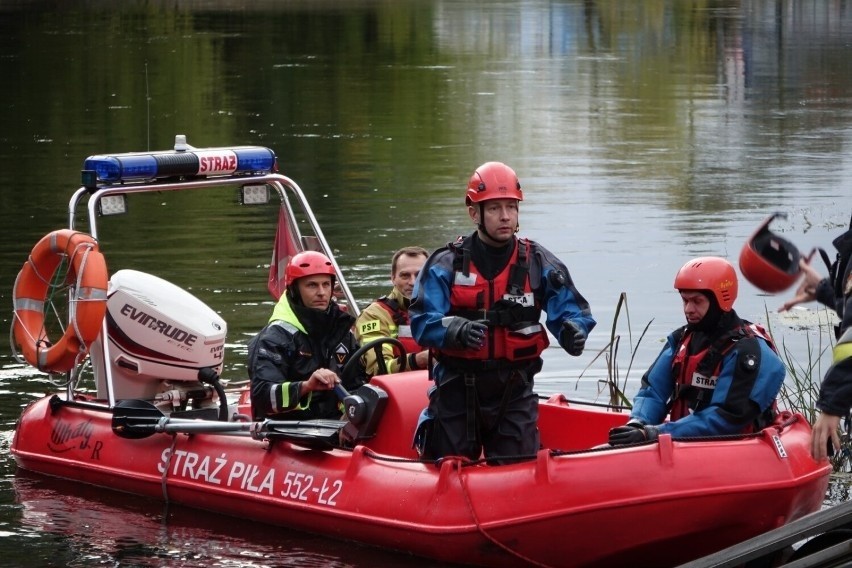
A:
x: 141, y: 166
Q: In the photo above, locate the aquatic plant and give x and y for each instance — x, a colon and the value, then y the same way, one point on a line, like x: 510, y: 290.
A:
x: 800, y: 390
x: 614, y: 384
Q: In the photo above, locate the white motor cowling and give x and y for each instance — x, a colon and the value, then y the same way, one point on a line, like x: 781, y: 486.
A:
x: 160, y: 336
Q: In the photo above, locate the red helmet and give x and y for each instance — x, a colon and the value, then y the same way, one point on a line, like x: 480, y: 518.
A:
x: 768, y: 261
x: 307, y: 263
x: 493, y: 180
x: 713, y: 274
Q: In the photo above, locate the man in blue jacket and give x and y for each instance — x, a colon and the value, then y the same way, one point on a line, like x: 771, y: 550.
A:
x: 719, y: 374
x: 477, y: 305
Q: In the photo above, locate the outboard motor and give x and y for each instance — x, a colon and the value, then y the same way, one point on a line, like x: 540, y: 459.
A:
x: 159, y: 338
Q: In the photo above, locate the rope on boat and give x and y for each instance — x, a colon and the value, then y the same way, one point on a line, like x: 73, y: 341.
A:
x: 481, y: 530
x: 72, y: 302
x: 607, y: 405
x: 167, y: 467
x: 788, y: 421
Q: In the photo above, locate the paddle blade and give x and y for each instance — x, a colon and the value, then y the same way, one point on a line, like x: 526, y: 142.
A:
x: 135, y: 419
x: 314, y: 434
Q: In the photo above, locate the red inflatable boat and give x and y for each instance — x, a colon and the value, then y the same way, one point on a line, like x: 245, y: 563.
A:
x: 158, y: 422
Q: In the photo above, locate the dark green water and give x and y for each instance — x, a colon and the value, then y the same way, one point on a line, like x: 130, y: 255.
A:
x: 644, y: 134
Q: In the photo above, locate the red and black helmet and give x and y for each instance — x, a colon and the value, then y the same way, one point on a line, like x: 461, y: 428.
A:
x: 493, y: 180
x: 768, y: 261
x: 713, y: 274
x: 307, y: 263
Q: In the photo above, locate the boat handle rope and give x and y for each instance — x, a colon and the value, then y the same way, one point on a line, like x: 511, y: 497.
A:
x: 168, y: 466
x: 78, y: 291
x: 458, y: 464
x: 790, y: 420
x: 458, y: 467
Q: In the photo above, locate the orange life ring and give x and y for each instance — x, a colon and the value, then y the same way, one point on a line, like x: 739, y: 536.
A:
x: 87, y: 274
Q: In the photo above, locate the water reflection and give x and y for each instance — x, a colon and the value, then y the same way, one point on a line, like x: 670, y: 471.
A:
x: 84, y: 526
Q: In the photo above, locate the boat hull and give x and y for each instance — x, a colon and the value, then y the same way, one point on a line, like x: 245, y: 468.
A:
x: 649, y: 505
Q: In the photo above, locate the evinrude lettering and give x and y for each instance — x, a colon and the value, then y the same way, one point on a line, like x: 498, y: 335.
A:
x: 149, y: 321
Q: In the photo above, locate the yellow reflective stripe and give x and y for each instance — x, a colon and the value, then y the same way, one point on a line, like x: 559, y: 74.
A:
x: 285, y: 395
x: 285, y: 398
x: 842, y: 351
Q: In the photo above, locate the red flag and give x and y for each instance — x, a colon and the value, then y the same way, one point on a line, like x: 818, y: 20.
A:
x: 285, y: 246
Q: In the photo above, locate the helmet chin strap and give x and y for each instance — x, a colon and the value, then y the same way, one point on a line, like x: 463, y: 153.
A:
x: 480, y: 226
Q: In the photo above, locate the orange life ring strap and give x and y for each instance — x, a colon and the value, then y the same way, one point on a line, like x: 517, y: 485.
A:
x: 88, y: 278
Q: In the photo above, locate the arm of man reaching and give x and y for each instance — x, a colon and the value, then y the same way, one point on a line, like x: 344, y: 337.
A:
x: 835, y: 392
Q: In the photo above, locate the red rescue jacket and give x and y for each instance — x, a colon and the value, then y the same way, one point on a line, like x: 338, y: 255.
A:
x: 696, y: 375
x: 506, y: 304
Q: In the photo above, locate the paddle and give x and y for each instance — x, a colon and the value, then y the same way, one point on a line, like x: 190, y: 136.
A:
x: 136, y: 419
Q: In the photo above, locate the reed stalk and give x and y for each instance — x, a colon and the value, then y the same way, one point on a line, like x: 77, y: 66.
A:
x: 800, y: 390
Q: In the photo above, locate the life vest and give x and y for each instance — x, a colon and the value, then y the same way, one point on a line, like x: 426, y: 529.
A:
x: 401, y: 327
x: 505, y: 304
x: 696, y: 375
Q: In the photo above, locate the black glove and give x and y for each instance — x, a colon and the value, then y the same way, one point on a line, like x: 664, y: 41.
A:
x: 572, y: 339
x: 632, y: 433
x: 462, y: 332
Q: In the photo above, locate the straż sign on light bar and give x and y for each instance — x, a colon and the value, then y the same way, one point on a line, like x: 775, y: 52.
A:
x: 215, y: 162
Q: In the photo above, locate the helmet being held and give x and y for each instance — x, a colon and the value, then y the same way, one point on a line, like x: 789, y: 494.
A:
x: 493, y: 180
x: 768, y: 261
x: 713, y: 274
x: 308, y: 263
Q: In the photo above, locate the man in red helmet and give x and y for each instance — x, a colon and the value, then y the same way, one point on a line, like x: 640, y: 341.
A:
x: 477, y: 305
x: 718, y: 374
x: 295, y: 361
